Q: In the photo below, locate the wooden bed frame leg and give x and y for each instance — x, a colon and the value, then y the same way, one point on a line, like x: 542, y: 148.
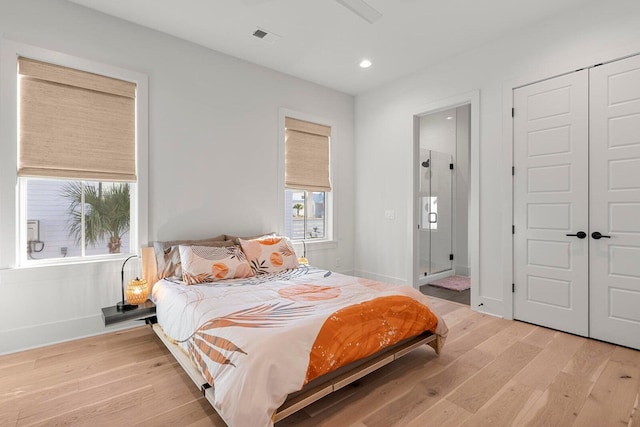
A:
x: 436, y: 344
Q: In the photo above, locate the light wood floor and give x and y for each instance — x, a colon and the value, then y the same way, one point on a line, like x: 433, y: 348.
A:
x: 491, y: 372
x: 463, y: 297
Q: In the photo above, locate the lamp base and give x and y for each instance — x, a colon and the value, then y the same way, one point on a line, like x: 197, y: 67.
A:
x: 123, y: 306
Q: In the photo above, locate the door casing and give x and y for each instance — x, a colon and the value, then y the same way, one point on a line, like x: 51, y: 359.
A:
x: 472, y: 98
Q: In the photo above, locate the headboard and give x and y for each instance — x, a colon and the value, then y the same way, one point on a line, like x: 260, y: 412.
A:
x: 149, y: 266
x: 150, y: 262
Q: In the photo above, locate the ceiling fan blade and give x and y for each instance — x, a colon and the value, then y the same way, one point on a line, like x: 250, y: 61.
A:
x: 362, y: 9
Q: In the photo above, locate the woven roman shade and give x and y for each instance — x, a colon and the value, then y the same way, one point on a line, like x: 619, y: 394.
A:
x: 306, y: 155
x: 75, y: 124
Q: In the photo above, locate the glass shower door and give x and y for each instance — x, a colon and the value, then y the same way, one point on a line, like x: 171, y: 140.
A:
x: 441, y: 213
x: 424, y: 202
x: 436, y: 213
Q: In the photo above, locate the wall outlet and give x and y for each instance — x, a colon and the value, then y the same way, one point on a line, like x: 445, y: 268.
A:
x: 390, y: 214
x: 63, y: 251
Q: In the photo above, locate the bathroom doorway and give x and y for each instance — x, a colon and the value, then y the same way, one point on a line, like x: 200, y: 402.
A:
x: 441, y: 198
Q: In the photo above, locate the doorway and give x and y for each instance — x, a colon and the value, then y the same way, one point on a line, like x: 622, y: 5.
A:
x: 441, y: 197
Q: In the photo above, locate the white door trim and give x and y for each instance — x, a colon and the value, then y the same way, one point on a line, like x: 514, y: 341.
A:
x: 472, y: 98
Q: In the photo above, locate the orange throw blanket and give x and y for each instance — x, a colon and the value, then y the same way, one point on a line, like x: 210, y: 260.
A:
x: 360, y: 330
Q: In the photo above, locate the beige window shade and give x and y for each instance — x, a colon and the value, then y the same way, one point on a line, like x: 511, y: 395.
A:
x: 75, y: 124
x: 306, y: 155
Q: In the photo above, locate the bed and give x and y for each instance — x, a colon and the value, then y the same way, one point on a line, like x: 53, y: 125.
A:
x: 263, y: 343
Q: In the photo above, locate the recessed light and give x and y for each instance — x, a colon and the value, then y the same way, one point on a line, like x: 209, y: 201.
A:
x: 449, y: 117
x: 365, y: 63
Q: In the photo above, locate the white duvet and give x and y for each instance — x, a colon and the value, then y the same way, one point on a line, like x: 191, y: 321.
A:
x: 257, y: 340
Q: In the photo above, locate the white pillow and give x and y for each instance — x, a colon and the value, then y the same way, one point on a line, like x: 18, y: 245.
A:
x: 201, y: 264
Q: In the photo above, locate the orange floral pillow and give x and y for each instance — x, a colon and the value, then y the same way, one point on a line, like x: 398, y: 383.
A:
x: 269, y: 254
x: 201, y: 264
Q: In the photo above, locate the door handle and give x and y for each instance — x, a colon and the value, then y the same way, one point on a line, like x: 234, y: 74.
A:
x: 597, y: 235
x: 579, y: 235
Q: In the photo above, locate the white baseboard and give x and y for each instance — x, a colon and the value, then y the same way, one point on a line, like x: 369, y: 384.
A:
x: 462, y: 270
x: 15, y: 340
x: 380, y: 277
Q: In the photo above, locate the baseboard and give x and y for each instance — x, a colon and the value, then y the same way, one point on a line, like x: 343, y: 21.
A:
x: 462, y: 270
x: 15, y: 340
x: 380, y: 277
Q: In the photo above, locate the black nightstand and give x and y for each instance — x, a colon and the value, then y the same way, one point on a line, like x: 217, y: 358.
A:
x: 146, y: 311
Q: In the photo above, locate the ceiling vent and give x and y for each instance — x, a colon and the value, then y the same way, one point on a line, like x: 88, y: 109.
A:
x: 265, y: 35
x: 260, y: 34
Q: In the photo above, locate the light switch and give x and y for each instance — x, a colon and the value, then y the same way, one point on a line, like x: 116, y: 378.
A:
x: 390, y: 214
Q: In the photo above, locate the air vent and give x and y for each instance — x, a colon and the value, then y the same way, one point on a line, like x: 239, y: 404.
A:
x: 266, y: 35
x: 259, y: 33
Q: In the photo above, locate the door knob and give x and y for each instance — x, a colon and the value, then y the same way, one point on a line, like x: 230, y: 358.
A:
x: 579, y: 235
x: 597, y: 235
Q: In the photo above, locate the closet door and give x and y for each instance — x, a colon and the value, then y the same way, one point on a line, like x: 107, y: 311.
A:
x: 551, y: 202
x: 615, y: 202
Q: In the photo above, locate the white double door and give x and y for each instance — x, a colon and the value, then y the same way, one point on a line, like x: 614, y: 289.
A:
x: 577, y: 202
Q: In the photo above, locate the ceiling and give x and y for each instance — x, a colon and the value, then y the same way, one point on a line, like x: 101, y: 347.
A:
x: 323, y: 41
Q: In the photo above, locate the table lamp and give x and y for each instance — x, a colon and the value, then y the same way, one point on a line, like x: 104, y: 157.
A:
x: 123, y: 305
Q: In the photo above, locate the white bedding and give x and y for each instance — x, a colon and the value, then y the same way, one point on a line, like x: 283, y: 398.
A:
x: 255, y: 340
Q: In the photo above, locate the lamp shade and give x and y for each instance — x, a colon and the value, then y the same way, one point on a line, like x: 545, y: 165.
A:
x: 137, y: 291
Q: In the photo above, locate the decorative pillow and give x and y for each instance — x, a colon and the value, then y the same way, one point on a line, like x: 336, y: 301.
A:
x: 201, y: 264
x: 236, y: 239
x: 168, y: 254
x: 269, y: 254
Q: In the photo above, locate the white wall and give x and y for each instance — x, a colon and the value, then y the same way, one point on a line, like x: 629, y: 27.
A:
x: 384, y: 136
x: 213, y: 159
x: 439, y: 133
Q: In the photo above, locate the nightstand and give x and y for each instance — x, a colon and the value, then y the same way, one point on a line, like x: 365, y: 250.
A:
x: 146, y: 311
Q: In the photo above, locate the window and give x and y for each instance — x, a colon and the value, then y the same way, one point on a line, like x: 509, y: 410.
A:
x: 67, y: 219
x: 306, y: 215
x: 77, y: 165
x: 307, y: 180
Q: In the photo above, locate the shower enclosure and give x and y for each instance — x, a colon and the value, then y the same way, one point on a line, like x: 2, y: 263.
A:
x: 435, y: 201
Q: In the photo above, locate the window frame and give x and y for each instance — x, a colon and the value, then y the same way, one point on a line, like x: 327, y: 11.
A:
x: 330, y: 211
x: 13, y: 211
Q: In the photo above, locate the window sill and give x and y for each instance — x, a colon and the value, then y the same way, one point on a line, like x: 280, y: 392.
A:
x: 91, y: 272
x: 314, y: 245
x: 63, y: 262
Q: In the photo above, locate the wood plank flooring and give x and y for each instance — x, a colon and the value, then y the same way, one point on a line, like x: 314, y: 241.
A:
x: 492, y: 372
x: 463, y: 297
